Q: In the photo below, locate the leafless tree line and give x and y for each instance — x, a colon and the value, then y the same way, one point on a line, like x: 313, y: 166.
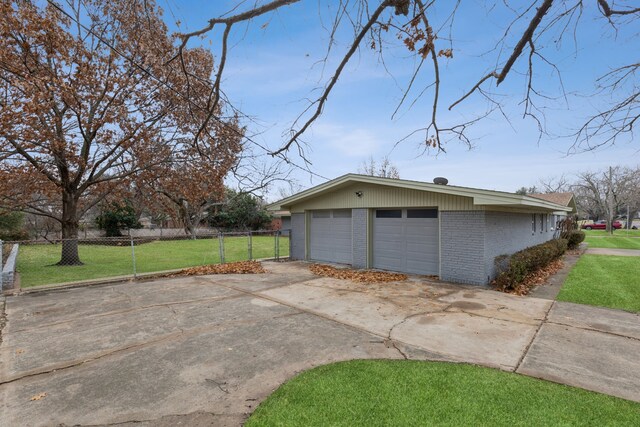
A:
x: 604, y: 194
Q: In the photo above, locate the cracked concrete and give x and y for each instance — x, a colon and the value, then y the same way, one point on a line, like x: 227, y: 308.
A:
x: 206, y: 350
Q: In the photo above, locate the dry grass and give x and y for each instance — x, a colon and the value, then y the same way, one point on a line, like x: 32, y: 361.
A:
x: 240, y: 267
x: 360, y: 276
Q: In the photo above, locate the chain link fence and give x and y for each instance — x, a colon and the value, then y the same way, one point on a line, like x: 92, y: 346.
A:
x: 78, y: 260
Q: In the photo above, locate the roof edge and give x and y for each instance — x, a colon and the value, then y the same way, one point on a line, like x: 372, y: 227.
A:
x: 480, y: 196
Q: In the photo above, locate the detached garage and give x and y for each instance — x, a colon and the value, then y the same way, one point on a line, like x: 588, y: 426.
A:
x: 416, y: 227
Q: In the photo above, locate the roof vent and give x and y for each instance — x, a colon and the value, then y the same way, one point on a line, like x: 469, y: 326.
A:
x: 440, y: 180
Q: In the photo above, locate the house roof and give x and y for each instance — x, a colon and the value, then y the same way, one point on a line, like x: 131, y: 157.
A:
x: 480, y: 197
x: 564, y: 199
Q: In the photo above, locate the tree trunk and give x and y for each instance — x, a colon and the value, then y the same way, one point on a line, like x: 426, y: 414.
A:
x: 189, y: 226
x: 630, y: 217
x: 70, y: 226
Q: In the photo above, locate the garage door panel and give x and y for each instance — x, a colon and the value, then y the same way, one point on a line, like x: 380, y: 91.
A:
x: 389, y: 229
x: 415, y: 249
x: 407, y: 244
x: 330, y: 236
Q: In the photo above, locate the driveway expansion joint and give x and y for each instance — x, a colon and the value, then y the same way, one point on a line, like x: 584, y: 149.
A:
x: 533, y: 338
x: 179, y: 333
x: 258, y: 294
x: 584, y: 328
x: 131, y: 310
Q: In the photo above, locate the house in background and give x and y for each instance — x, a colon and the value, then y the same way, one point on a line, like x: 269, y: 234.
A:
x: 415, y: 227
x: 281, y: 221
x: 564, y: 199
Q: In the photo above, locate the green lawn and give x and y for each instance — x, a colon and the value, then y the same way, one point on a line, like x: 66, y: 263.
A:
x: 604, y: 280
x: 412, y: 393
x: 36, y: 262
x: 621, y: 233
x: 615, y: 241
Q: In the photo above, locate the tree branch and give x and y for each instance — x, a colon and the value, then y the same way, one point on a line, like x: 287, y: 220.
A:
x: 325, y: 94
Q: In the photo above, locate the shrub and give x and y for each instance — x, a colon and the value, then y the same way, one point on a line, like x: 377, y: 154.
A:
x: 12, y: 226
x: 17, y: 235
x: 513, y: 269
x: 115, y: 216
x: 574, y: 238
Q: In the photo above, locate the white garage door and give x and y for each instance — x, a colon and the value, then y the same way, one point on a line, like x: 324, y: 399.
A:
x: 406, y: 240
x: 330, y: 236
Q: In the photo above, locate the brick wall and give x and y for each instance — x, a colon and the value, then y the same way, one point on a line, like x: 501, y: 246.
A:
x: 359, y: 237
x: 296, y: 241
x: 462, y: 253
x: 506, y: 233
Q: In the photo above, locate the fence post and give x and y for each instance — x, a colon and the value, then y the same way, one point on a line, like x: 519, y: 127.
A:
x: 277, y: 245
x: 1, y: 264
x: 250, y: 246
x: 133, y: 256
x: 221, y: 247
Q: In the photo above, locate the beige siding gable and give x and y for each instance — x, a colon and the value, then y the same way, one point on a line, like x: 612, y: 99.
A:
x: 379, y: 196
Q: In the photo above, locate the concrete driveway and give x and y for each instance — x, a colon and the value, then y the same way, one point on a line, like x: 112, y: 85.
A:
x: 207, y: 350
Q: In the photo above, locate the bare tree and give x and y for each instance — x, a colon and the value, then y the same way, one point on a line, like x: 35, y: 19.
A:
x: 554, y: 184
x: 428, y: 31
x: 384, y: 168
x: 292, y: 187
x: 606, y: 193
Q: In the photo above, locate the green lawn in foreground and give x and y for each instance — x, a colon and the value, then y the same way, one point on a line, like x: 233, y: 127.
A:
x: 604, y: 280
x: 36, y: 262
x: 418, y: 393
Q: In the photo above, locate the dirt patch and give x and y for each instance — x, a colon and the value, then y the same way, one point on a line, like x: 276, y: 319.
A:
x: 240, y: 267
x: 360, y: 276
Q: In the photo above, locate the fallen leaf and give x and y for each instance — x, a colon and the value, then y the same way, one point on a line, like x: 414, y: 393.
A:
x: 360, y: 276
x: 38, y: 396
x: 19, y: 351
x: 240, y: 267
x: 537, y: 278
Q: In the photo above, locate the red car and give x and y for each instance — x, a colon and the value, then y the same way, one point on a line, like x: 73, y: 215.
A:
x: 600, y: 225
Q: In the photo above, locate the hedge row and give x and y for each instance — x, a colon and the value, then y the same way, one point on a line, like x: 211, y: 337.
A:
x: 512, y: 269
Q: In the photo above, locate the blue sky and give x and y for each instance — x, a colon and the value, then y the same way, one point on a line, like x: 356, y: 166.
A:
x: 271, y: 71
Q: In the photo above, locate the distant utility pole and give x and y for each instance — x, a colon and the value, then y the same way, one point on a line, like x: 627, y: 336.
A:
x: 610, y: 201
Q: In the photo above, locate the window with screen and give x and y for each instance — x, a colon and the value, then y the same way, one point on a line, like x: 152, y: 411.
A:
x: 389, y: 213
x: 422, y: 213
x: 541, y: 223
x: 533, y: 223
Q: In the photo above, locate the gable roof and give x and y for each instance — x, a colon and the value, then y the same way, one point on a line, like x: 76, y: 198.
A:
x: 564, y: 199
x: 480, y: 197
